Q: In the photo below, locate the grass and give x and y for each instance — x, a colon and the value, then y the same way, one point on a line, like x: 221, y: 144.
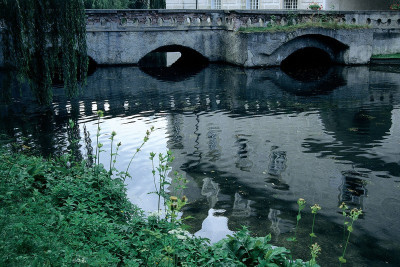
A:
x: 387, y: 56
x: 290, y: 28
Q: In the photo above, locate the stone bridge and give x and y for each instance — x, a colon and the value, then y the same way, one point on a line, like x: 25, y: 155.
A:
x: 126, y: 36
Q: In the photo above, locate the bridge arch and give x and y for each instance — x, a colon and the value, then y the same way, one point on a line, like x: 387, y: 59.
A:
x: 188, y: 55
x: 334, y: 48
x: 159, y: 65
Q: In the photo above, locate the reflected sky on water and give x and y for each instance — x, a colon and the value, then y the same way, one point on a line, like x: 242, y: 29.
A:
x: 250, y: 142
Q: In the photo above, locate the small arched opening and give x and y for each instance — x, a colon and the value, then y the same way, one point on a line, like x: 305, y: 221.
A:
x: 307, y: 64
x: 309, y: 57
x: 173, y: 63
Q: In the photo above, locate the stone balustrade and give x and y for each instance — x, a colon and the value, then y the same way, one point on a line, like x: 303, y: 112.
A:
x: 156, y: 20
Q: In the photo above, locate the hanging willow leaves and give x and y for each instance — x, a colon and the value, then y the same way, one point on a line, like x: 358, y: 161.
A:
x: 45, y: 41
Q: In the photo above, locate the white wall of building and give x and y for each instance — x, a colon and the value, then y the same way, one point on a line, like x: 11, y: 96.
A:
x: 236, y: 4
x: 358, y: 4
x: 279, y: 4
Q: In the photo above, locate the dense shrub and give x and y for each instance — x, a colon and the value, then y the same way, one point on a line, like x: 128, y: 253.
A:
x: 55, y: 214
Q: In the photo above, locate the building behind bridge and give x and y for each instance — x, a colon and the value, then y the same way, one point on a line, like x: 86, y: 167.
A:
x: 279, y: 4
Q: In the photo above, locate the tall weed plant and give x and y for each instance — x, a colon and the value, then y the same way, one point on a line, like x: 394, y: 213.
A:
x: 65, y: 212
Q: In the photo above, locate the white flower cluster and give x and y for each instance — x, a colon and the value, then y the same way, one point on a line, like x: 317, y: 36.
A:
x: 156, y: 214
x: 79, y: 259
x: 180, y: 233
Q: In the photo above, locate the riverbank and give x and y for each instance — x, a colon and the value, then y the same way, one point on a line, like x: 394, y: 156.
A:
x: 55, y: 213
x: 388, y: 59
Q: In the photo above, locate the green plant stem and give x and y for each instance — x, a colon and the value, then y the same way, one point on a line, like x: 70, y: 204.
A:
x: 154, y: 181
x: 115, y: 157
x: 111, y: 155
x: 97, y: 139
x: 297, y: 224
x: 312, y: 227
x: 344, y: 228
x: 161, y: 191
x: 130, y: 162
x: 347, y: 242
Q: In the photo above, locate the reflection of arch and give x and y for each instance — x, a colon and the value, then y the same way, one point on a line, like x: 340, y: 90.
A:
x: 334, y: 48
x: 189, y: 63
x: 92, y: 65
x: 323, y: 85
x: 184, y: 50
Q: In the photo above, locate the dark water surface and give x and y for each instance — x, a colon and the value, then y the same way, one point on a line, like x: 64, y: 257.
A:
x: 250, y: 142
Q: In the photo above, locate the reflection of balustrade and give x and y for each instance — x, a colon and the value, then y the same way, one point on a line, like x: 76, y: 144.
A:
x: 278, y: 225
x: 138, y: 20
x: 277, y: 163
x: 273, y: 217
x: 210, y: 190
x: 352, y: 190
x: 241, y: 206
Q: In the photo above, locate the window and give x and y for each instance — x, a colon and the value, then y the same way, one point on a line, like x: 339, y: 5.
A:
x: 290, y: 4
x: 215, y: 4
x: 253, y: 4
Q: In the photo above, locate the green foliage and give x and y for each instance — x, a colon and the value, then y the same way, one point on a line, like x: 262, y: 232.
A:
x: 157, y: 4
x: 292, y: 18
x: 106, y: 4
x: 162, y: 170
x: 53, y: 214
x: 272, y: 27
x: 349, y: 218
x: 315, y: 251
x: 314, y: 210
x: 45, y: 41
x: 64, y: 212
x: 255, y: 251
x: 58, y: 213
x: 301, y: 205
x: 116, y: 4
x: 124, y: 4
x: 395, y: 56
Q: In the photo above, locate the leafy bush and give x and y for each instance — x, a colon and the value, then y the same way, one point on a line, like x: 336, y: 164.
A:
x: 395, y: 6
x: 55, y: 213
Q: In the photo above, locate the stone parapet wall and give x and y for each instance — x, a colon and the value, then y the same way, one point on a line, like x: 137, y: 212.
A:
x: 133, y: 20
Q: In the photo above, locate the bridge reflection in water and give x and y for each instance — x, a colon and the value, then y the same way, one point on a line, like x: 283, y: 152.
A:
x: 250, y: 146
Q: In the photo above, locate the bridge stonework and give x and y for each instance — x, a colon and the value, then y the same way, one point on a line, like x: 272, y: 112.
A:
x: 125, y: 36
x: 117, y: 37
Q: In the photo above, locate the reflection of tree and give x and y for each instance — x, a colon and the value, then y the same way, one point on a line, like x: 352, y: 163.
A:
x: 175, y: 125
x: 88, y: 146
x: 355, y: 130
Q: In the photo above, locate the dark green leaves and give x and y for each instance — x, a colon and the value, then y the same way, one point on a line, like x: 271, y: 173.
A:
x: 44, y: 41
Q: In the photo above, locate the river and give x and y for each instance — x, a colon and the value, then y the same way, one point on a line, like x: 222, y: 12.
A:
x: 250, y: 142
